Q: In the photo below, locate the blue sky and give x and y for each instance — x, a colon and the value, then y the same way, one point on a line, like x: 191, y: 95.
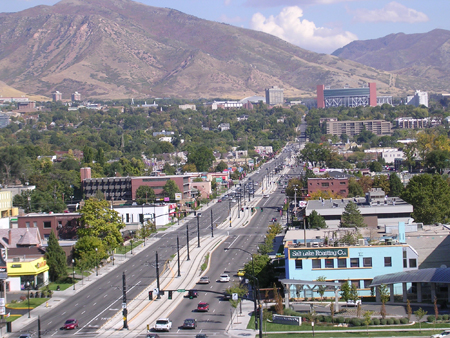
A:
x: 317, y: 25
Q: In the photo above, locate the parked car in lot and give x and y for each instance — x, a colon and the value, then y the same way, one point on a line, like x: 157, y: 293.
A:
x: 71, y: 324
x: 203, y: 307
x: 224, y: 278
x: 204, y: 280
x: 352, y: 302
x: 190, y: 323
x: 163, y: 324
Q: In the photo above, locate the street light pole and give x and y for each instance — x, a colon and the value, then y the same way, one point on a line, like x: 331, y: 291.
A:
x: 157, y: 276
x: 96, y: 261
x: 198, y: 231
x: 212, y: 225
x: 73, y: 273
x: 28, y: 289
x: 187, y: 241
x: 178, y: 254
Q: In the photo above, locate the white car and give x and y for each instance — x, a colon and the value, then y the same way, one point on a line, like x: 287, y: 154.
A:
x: 204, y: 280
x: 224, y: 278
x: 266, y: 196
x: 445, y: 333
x: 163, y: 324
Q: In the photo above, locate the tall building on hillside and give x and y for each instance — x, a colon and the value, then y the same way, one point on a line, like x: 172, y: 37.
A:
x: 347, y: 97
x: 76, y: 96
x: 419, y: 98
x: 274, y: 95
x: 57, y: 96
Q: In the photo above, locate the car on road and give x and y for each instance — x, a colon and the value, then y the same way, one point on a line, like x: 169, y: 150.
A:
x: 241, y: 272
x: 201, y: 335
x: 152, y: 335
x: 163, y: 324
x: 224, y: 278
x: 25, y: 335
x: 274, y: 219
x: 71, y: 324
x: 193, y: 293
x: 445, y: 333
x: 204, y: 280
x: 266, y: 195
x: 190, y: 323
x: 203, y: 307
x: 219, y: 201
x: 283, y: 191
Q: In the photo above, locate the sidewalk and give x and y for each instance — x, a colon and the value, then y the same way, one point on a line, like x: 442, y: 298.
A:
x: 238, y: 325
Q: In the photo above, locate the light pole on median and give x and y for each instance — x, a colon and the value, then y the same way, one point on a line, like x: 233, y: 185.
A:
x: 73, y: 273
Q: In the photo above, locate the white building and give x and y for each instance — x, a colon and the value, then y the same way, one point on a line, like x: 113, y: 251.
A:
x: 187, y: 106
x: 388, y: 154
x: 132, y: 215
x: 418, y: 99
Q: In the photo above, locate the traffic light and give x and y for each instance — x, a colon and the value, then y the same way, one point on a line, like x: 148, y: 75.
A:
x: 150, y: 295
x: 242, y: 209
x: 252, y: 209
x: 170, y: 295
x: 262, y: 209
x: 185, y: 214
x: 195, y: 213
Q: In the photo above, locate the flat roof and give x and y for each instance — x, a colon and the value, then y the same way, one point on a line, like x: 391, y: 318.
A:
x: 433, y: 275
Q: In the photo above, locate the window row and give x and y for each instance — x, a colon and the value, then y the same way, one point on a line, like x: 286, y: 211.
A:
x: 342, y: 263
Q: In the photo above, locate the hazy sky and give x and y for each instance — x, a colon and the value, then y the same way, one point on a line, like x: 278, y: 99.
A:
x: 317, y: 25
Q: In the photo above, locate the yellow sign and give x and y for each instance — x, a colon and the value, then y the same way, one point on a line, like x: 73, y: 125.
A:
x: 124, y: 318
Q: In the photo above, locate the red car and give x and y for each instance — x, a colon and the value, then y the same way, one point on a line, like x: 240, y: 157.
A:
x: 203, y: 307
x: 71, y: 324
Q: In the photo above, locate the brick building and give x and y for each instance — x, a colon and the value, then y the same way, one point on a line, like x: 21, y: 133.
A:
x: 333, y: 185
x: 64, y: 225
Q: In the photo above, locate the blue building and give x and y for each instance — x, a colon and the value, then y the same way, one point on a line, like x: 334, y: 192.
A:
x: 355, y: 264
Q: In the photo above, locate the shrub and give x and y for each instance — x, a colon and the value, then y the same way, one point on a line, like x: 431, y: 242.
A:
x: 22, y: 298
x: 355, y: 322
x: 290, y: 312
x: 404, y: 320
x: 383, y: 321
x: 439, y: 317
x: 13, y: 301
x: 396, y: 321
x: 347, y: 320
x: 376, y: 321
x: 320, y: 318
x: 389, y: 321
x: 340, y: 320
x: 327, y: 319
x: 445, y: 317
x: 430, y: 318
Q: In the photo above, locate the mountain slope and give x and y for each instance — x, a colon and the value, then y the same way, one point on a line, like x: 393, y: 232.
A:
x: 426, y: 56
x: 120, y: 48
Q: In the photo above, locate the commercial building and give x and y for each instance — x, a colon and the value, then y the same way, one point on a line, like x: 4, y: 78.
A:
x: 274, y: 95
x: 390, y: 155
x: 135, y: 215
x: 377, y: 209
x: 64, y: 225
x: 56, y: 96
x: 343, y: 263
x: 352, y: 128
x: 333, y: 185
x: 76, y: 96
x: 419, y: 98
x: 187, y: 106
x: 347, y: 97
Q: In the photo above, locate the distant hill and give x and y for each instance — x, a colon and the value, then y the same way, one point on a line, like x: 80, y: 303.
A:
x: 122, y: 49
x: 7, y: 91
x: 425, y: 56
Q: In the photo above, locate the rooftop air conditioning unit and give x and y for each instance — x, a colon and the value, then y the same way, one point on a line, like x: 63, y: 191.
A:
x: 361, y: 241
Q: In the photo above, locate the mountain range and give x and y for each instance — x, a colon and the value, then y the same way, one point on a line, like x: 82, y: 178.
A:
x: 122, y: 49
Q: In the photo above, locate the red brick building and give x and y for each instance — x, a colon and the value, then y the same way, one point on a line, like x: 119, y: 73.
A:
x: 64, y: 225
x: 333, y: 185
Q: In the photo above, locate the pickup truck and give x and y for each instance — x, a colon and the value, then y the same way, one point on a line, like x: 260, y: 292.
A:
x: 163, y: 324
x: 351, y: 302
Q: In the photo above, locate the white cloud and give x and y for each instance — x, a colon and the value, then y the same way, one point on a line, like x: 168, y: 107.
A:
x: 392, y: 12
x: 288, y: 26
x: 276, y: 3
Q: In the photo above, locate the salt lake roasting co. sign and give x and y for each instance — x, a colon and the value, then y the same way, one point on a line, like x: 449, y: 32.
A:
x: 318, y: 253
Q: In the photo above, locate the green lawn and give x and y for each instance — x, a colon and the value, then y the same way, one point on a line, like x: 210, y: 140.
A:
x: 351, y: 334
x: 34, y: 302
x: 124, y: 249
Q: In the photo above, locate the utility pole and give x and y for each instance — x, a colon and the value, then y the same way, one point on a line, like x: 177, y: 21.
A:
x: 178, y: 252
x: 212, y: 225
x: 124, y: 301
x: 157, y: 276
x: 187, y: 241
x: 198, y: 231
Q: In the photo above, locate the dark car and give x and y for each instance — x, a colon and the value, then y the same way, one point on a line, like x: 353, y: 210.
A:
x: 193, y: 293
x: 190, y: 323
x: 274, y: 219
x: 201, y: 335
x: 152, y: 335
x: 203, y: 307
x: 71, y: 324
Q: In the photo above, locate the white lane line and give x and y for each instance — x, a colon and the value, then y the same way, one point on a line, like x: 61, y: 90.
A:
x: 105, y: 296
x: 76, y: 304
x: 94, y: 304
x: 62, y: 314
x: 83, y: 312
x: 87, y: 324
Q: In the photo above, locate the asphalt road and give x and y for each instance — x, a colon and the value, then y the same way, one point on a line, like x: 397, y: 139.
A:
x: 95, y: 305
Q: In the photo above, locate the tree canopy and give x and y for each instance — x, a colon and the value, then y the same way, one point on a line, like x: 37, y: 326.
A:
x: 56, y: 259
x: 351, y: 217
x: 145, y: 194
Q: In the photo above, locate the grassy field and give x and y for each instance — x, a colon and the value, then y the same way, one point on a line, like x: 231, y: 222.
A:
x: 34, y: 302
x: 124, y: 249
x: 352, y: 334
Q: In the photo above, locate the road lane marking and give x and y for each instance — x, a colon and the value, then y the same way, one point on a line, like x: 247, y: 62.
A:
x: 63, y: 313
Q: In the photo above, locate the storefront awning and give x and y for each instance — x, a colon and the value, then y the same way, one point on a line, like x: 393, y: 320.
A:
x: 29, y: 268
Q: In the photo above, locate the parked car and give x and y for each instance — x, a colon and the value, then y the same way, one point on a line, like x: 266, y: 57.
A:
x: 203, y: 307
x: 241, y: 272
x: 204, y: 280
x: 445, y: 333
x: 71, y: 324
x: 352, y: 302
x: 163, y: 324
x: 224, y: 278
x: 190, y: 323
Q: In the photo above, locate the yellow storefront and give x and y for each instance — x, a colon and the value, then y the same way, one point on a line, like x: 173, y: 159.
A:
x: 33, y: 271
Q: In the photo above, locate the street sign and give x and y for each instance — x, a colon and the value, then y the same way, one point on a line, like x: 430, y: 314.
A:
x: 124, y: 305
x: 178, y: 196
x: 156, y: 291
x: 181, y: 290
x: 235, y: 296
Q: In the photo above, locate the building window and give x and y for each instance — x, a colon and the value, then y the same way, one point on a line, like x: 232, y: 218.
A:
x: 127, y: 216
x: 356, y: 283
x: 316, y: 264
x: 28, y: 224
x: 367, y: 262
x: 387, y: 261
x: 413, y: 263
x: 342, y: 262
x: 35, y: 224
x: 47, y: 225
x: 299, y: 264
x: 354, y: 262
x: 405, y: 259
x: 367, y: 283
x: 342, y: 183
x: 325, y: 184
x: 329, y: 263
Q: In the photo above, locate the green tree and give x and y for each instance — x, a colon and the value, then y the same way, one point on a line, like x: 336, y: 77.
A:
x: 420, y: 313
x: 438, y: 159
x: 146, y: 230
x: 56, y: 259
x: 430, y: 197
x: 384, y: 296
x: 354, y: 189
x: 262, y: 268
x: 238, y: 288
x: 354, y: 293
x: 221, y: 166
x: 395, y: 185
x: 99, y: 220
x: 382, y: 181
x: 293, y: 188
x: 367, y: 319
x: 345, y: 291
x: 321, y: 288
x: 170, y: 188
x: 408, y: 310
x: 316, y: 221
x: 88, y: 154
x: 168, y: 169
x: 375, y: 166
x: 351, y: 217
x: 100, y: 157
x: 202, y: 157
x: 86, y: 253
x: 145, y: 194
